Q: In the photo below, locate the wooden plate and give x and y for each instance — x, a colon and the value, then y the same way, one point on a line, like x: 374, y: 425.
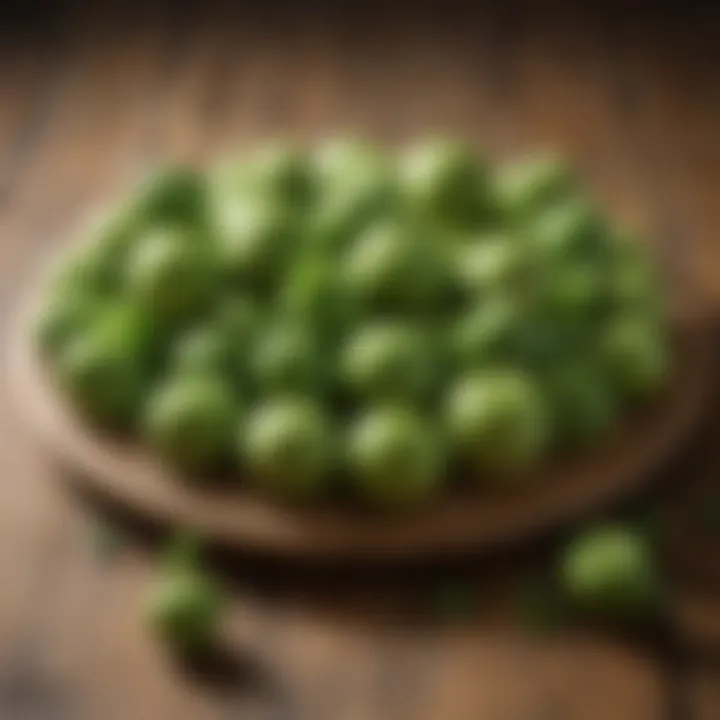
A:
x: 465, y: 520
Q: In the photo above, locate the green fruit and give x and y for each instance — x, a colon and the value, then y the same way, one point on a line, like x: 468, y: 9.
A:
x: 254, y: 240
x: 497, y: 262
x: 184, y: 609
x: 230, y: 183
x: 636, y: 355
x: 389, y: 360
x: 289, y: 448
x: 357, y: 189
x: 104, y: 368
x: 575, y: 293
x: 610, y: 569
x: 94, y: 268
x: 394, y: 457
x: 96, y: 265
x: 445, y: 179
x: 487, y: 333
x: 313, y: 295
x: 283, y: 173
x: 63, y: 318
x: 172, y: 277
x: 205, y: 350
x: 498, y: 420
x: 524, y: 188
x: 567, y: 231
x: 390, y: 266
x: 175, y: 195
x: 347, y: 161
x: 191, y: 421
x: 288, y: 357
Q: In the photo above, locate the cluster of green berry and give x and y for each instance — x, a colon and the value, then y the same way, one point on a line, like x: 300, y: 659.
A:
x: 355, y: 319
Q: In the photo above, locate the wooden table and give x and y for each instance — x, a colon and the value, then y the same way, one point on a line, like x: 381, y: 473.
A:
x: 91, y: 96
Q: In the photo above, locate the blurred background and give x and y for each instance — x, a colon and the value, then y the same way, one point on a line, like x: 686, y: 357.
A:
x: 92, y: 94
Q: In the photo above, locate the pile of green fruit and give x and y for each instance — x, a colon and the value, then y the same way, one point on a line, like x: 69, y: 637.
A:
x: 352, y: 321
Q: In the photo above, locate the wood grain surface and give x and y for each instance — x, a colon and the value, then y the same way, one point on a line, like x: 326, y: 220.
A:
x: 90, y: 95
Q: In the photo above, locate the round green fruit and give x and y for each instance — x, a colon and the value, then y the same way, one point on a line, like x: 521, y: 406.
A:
x: 357, y: 189
x: 288, y: 357
x: 569, y: 230
x: 205, y: 350
x: 63, y: 317
x: 394, y: 457
x: 487, y: 333
x: 389, y: 360
x: 289, y: 448
x: 527, y: 187
x: 498, y: 420
x: 492, y: 263
x: 254, y: 240
x: 191, y: 421
x: 104, y: 367
x: 172, y: 277
x: 348, y: 161
x: 444, y: 178
x: 94, y: 268
x: 184, y: 609
x: 314, y: 295
x: 283, y: 173
x: 174, y: 196
x: 390, y: 266
x: 610, y: 569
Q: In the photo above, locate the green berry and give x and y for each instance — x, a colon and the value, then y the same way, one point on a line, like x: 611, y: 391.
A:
x: 174, y: 196
x: 567, y: 231
x: 395, y: 457
x: 191, y: 420
x: 389, y: 360
x: 610, y: 569
x: 184, y: 610
x: 172, y: 277
x: 445, y: 179
x: 492, y: 263
x: 288, y: 358
x: 498, y: 420
x: 104, y: 368
x: 282, y: 172
x: 288, y: 446
x: 254, y: 240
x: 390, y: 266
x: 527, y: 187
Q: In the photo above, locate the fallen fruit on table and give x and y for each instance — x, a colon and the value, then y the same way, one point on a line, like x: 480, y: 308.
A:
x: 611, y: 570
x: 185, y: 605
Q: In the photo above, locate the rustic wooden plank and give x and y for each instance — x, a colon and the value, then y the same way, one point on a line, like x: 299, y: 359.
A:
x: 76, y: 159
x: 107, y: 121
